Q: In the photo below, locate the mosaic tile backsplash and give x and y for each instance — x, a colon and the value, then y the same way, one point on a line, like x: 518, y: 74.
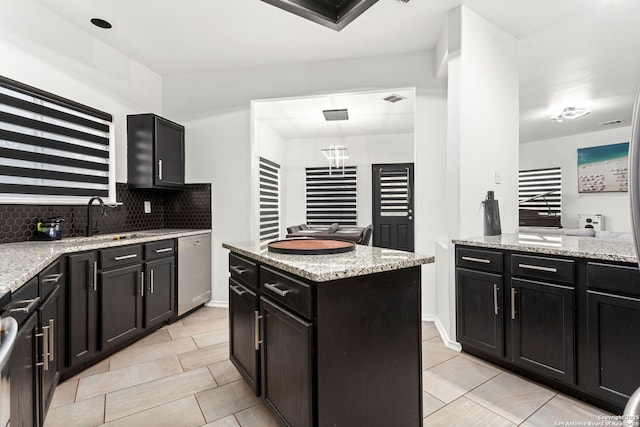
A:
x: 189, y: 208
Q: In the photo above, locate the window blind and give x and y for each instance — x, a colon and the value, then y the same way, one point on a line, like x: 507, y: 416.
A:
x: 535, y: 182
x: 51, y: 148
x: 331, y: 197
x: 269, y: 200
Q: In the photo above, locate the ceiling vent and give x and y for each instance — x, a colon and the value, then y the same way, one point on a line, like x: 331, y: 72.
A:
x: 394, y: 98
x: 335, y: 14
x: 332, y: 115
x: 611, y: 123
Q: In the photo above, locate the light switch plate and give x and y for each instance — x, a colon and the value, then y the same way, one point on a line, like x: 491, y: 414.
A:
x: 147, y: 206
x: 498, y: 177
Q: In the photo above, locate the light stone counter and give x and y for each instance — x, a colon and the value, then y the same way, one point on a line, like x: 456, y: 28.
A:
x: 322, y: 268
x: 620, y: 250
x: 19, y: 262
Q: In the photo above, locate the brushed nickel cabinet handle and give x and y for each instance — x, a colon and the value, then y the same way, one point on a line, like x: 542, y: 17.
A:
x: 472, y: 259
x: 151, y: 279
x: 495, y: 299
x: 52, y: 341
x: 513, y: 304
x: 142, y: 283
x: 31, y: 303
x: 159, y: 251
x: 45, y: 348
x: 123, y: 257
x: 160, y: 170
x: 52, y: 278
x: 274, y: 287
x: 238, y: 290
x: 256, y: 330
x: 237, y: 269
x: 95, y: 276
x: 538, y: 268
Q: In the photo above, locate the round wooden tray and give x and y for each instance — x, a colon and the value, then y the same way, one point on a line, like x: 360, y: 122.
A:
x: 310, y: 246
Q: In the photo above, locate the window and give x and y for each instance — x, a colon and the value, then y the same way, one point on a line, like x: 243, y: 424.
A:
x: 52, y: 150
x: 331, y: 197
x: 269, y: 200
x: 540, y: 190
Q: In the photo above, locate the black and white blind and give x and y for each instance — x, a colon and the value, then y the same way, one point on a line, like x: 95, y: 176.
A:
x: 546, y: 184
x: 395, y: 192
x: 269, y: 200
x: 51, y: 148
x: 331, y: 196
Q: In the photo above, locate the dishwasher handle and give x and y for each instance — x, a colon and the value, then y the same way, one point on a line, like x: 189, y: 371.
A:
x: 9, y: 327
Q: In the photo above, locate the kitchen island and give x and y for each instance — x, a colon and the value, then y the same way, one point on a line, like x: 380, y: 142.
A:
x: 329, y: 340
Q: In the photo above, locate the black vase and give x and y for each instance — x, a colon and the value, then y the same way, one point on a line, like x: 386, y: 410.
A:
x: 491, y: 216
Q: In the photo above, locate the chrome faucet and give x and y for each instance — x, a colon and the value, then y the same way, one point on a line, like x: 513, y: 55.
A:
x: 90, y: 229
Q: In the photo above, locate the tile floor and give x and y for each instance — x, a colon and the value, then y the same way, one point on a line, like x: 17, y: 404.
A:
x: 181, y: 376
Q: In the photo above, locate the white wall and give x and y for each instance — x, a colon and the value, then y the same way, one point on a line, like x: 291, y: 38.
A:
x: 563, y: 152
x: 363, y: 152
x: 41, y: 49
x: 215, y: 108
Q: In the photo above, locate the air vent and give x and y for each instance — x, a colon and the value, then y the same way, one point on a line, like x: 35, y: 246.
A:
x: 331, y: 115
x: 611, y: 123
x: 394, y: 98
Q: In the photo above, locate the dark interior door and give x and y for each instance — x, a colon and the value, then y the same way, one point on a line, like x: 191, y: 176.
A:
x: 392, y: 209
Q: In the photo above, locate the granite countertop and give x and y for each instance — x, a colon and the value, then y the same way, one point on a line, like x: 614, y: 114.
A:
x: 323, y: 268
x: 19, y: 262
x: 620, y: 250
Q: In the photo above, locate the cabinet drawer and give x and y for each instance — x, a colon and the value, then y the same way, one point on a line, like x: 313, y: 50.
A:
x: 243, y: 270
x: 287, y: 290
x: 118, y: 257
x: 536, y: 267
x: 161, y: 249
x: 24, y: 301
x: 616, y: 278
x: 479, y: 259
x: 50, y: 278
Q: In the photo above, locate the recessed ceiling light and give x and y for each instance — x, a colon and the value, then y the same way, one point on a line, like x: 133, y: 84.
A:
x: 570, y: 113
x: 101, y: 23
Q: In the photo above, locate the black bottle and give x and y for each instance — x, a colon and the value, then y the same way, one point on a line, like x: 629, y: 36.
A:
x: 491, y: 216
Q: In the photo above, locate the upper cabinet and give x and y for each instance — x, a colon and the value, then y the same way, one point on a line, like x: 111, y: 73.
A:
x: 155, y: 152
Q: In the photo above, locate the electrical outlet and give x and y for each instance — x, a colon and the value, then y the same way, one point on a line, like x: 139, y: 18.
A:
x: 498, y: 177
x: 147, y: 206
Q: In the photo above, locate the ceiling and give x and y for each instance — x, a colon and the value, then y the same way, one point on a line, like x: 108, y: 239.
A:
x: 572, y: 52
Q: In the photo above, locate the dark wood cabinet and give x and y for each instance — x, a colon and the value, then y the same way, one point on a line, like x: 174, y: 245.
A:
x: 480, y: 310
x: 287, y: 364
x: 244, y: 334
x: 82, y: 297
x: 155, y: 152
x: 121, y: 292
x: 25, y: 381
x: 542, y: 317
x: 49, y: 316
x: 159, y: 295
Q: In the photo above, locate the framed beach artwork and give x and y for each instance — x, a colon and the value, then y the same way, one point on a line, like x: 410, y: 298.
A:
x: 604, y: 168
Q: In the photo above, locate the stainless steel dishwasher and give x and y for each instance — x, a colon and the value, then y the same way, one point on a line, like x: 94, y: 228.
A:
x: 194, y: 271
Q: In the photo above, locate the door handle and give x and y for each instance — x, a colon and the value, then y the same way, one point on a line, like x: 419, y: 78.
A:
x: 274, y: 287
x: 160, y: 251
x: 238, y: 290
x: 142, y: 283
x: 237, y: 269
x: 123, y: 257
x: 538, y: 267
x: 52, y: 278
x: 95, y: 276
x: 152, y: 282
x: 45, y: 348
x: 513, y: 304
x: 160, y: 170
x: 256, y: 330
x: 52, y: 341
x: 495, y: 299
x: 31, y: 303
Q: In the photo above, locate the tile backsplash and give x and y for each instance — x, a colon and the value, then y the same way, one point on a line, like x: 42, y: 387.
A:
x: 189, y: 208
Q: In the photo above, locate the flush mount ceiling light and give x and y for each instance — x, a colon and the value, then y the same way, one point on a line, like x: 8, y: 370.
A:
x: 394, y: 98
x: 570, y: 113
x: 101, y: 23
x: 333, y: 115
x: 335, y: 14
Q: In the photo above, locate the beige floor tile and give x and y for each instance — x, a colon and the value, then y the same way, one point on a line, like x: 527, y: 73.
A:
x: 224, y: 372
x: 454, y: 377
x: 435, y: 352
x: 204, y: 356
x: 430, y: 404
x: 65, y: 393
x: 226, y: 400
x: 98, y: 368
x: 561, y: 409
x: 429, y: 331
x: 481, y: 362
x: 196, y: 329
x: 217, y: 336
x: 86, y: 413
x: 176, y: 324
x: 511, y: 397
x: 206, y: 314
x: 256, y: 416
x: 130, y: 357
x: 229, y: 421
x: 148, y: 395
x: 128, y: 377
x: 465, y: 413
x: 183, y: 412
x: 161, y: 335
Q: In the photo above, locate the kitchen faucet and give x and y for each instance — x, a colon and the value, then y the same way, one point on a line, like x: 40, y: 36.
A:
x: 90, y: 230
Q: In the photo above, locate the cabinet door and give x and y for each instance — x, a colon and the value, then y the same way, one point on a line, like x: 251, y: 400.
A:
x: 49, y: 317
x: 120, y: 305
x: 82, y: 300
x: 613, y: 346
x: 243, y: 310
x: 159, y: 298
x: 24, y: 380
x: 287, y: 365
x: 543, y: 317
x: 169, y: 151
x: 480, y: 311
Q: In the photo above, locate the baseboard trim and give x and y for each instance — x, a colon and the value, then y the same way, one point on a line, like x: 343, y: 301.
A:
x: 453, y: 345
x: 218, y: 304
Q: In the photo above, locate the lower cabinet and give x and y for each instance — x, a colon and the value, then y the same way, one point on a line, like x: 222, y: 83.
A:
x: 25, y: 380
x: 287, y: 364
x: 159, y: 294
x: 50, y: 319
x: 243, y: 330
x: 82, y: 316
